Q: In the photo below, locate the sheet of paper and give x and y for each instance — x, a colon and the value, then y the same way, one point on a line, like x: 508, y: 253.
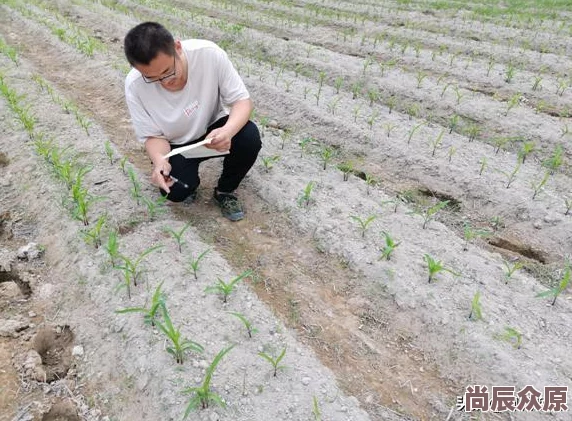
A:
x: 196, y: 150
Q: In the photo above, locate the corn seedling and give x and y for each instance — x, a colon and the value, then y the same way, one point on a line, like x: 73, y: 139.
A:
x: 178, y: 235
x: 9, y: 51
x: 268, y: 161
x: 512, y: 336
x: 356, y: 89
x: 149, y: 314
x: 355, y: 112
x: 249, y: 328
x: 370, y: 180
x: 333, y: 105
x: 511, y: 176
x: 412, y: 132
x: 122, y: 163
x: 203, y: 396
x: 363, y: 223
x: 225, y: 289
x: 558, y: 289
x: 412, y: 111
x: 131, y: 270
x: 490, y: 66
x: 93, y: 235
x: 274, y: 361
x: 509, y: 73
x: 346, y: 168
x: 373, y: 95
x: 179, y: 344
x: 420, y: 77
x: 135, y: 185
x: 452, y: 150
x: 496, y: 223
x: 327, y: 153
x: 338, y: 84
x: 429, y: 213
x: 568, y: 204
x: 513, y: 102
x: 510, y: 269
x: 305, y: 143
x: 562, y: 86
x: 112, y: 247
x: 154, y: 207
x: 194, y: 263
x: 458, y: 94
x: 564, y: 130
x: 483, y: 163
x: 316, y: 409
x: 435, y: 266
x: 437, y: 142
x: 389, y: 128
x: 537, y: 83
x: 472, y: 132
x: 305, y: 196
x: 453, y: 123
x: 284, y: 136
x: 109, y: 151
x: 476, y: 313
x: 390, y: 246
x: 372, y: 119
x: 391, y: 103
x: 469, y: 234
x: 321, y: 79
x: 538, y: 186
x: 82, y: 201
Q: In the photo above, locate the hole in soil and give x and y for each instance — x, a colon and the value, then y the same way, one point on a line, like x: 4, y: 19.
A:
x: 61, y: 411
x: 54, y: 347
x: 454, y: 204
x: 4, y: 160
x: 519, y: 248
x: 13, y: 276
x: 5, y: 230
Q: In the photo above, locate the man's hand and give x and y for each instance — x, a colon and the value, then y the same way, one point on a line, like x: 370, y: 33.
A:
x: 160, y: 175
x: 220, y: 140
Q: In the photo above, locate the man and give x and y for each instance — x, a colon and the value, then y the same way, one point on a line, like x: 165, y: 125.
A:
x: 182, y: 92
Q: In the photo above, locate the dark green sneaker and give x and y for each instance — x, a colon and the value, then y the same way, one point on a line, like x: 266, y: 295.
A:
x: 229, y: 206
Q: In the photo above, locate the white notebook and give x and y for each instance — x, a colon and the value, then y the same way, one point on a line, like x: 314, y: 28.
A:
x: 196, y: 150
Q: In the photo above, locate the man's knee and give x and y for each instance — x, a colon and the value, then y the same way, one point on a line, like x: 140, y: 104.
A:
x: 247, y: 140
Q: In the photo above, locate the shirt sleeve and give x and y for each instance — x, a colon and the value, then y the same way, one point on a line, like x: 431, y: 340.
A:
x: 230, y: 83
x: 141, y: 120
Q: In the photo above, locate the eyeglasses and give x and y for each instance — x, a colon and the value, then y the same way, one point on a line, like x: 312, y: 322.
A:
x: 162, y: 78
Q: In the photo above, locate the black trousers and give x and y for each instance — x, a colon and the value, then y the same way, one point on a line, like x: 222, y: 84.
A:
x: 244, y: 149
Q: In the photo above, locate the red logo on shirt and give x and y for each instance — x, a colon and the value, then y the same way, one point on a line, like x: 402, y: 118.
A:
x: 190, y: 110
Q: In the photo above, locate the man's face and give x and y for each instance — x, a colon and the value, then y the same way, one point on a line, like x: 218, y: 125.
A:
x: 166, y: 70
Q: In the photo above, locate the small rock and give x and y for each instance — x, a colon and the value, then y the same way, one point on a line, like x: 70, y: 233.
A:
x: 77, y: 351
x: 31, y: 314
x: 306, y: 381
x: 203, y: 364
x: 537, y: 224
x: 29, y: 252
x: 214, y: 417
x: 12, y: 327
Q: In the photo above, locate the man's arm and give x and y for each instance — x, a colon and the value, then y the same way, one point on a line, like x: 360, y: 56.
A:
x: 157, y: 148
x: 238, y: 117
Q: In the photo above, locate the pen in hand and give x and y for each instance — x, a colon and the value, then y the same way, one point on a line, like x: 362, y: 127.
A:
x: 176, y: 180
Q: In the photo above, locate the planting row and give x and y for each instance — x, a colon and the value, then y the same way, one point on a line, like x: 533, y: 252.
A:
x: 99, y: 285
x: 399, y: 128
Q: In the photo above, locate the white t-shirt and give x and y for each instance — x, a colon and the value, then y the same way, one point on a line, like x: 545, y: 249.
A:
x: 182, y: 116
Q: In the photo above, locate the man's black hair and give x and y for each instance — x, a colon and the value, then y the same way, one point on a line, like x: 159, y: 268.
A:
x: 146, y: 40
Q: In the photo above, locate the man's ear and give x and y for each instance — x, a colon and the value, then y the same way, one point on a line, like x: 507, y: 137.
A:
x: 178, y: 46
